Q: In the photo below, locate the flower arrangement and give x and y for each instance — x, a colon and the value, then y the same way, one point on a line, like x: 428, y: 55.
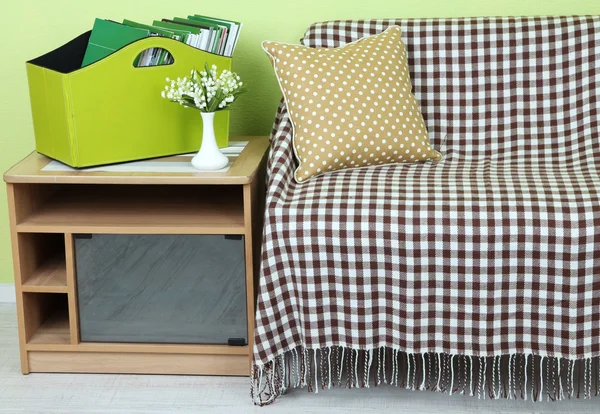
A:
x: 204, y: 90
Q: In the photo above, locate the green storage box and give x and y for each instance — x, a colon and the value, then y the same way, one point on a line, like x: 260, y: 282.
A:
x: 111, y: 111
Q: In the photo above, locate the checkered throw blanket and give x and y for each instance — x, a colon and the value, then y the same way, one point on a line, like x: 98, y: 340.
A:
x: 479, y: 274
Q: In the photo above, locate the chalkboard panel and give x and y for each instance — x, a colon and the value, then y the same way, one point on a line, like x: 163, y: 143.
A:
x: 161, y: 288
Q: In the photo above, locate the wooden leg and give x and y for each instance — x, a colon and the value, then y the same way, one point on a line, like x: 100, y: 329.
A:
x: 72, y: 289
x: 17, y: 274
x: 248, y: 215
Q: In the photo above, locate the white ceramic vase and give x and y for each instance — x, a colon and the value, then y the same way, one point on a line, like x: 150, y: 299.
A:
x: 209, y: 158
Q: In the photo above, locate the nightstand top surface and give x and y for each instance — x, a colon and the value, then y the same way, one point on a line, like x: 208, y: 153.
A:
x: 37, y: 168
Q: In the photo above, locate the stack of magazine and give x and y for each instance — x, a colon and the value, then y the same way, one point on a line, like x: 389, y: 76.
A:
x: 210, y: 34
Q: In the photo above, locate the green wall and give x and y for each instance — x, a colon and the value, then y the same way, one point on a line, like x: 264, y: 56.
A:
x: 34, y: 27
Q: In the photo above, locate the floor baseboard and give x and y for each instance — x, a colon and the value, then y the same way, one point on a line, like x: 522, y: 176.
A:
x: 7, y: 293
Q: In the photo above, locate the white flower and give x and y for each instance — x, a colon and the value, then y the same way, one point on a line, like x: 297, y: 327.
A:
x: 200, y: 89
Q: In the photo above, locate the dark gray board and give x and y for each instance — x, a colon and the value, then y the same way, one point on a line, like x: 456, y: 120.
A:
x: 161, y: 288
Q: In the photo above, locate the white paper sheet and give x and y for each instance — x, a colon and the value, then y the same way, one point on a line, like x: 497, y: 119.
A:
x: 234, y: 149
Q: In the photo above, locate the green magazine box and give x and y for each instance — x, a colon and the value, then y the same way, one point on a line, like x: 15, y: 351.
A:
x: 111, y: 111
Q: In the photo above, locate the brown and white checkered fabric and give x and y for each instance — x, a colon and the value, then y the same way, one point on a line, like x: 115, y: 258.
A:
x: 495, y: 250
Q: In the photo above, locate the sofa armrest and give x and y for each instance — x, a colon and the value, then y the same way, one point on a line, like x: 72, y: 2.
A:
x: 282, y: 162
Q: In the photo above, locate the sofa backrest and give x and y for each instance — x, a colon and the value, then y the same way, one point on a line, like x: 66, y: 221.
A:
x: 501, y: 80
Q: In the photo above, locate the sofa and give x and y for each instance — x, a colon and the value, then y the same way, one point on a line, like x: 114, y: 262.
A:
x: 478, y: 274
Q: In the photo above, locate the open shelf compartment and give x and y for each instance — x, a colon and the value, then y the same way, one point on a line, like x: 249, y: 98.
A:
x: 134, y: 209
x: 42, y: 262
x: 47, y: 318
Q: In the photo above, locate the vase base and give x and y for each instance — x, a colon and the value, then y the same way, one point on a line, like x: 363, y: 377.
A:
x: 217, y: 162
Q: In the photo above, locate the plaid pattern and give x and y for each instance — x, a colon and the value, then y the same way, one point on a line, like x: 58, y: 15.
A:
x: 492, y: 251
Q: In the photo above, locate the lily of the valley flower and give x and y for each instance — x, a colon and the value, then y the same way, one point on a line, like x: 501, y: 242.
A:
x: 204, y: 90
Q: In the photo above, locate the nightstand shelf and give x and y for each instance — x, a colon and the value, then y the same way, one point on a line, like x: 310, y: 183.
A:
x: 50, y: 277
x: 182, y: 209
x: 137, y: 272
x: 54, y: 331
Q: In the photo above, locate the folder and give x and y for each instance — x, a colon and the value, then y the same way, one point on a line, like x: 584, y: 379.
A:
x: 233, y: 33
x: 213, y: 44
x: 193, y: 33
x: 223, y: 32
x: 107, y: 37
x: 153, y: 57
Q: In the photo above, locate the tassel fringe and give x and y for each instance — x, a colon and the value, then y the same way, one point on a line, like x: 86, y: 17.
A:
x: 502, y: 376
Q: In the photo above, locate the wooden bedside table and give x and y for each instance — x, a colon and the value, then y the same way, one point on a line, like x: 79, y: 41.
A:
x: 103, y: 258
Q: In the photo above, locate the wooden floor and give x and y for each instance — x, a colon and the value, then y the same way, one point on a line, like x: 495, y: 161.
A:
x: 137, y: 394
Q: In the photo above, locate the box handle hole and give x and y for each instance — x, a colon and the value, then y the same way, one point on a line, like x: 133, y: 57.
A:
x: 155, y: 56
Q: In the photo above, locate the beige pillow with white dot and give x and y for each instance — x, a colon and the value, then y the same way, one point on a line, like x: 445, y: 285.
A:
x: 352, y: 106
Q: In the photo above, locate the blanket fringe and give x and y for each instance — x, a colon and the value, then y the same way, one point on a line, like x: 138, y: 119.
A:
x: 502, y: 376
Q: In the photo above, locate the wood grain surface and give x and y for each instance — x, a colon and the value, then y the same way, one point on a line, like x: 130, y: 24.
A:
x: 242, y: 171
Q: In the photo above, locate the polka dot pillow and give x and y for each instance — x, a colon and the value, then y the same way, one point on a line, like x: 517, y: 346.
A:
x: 352, y: 106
